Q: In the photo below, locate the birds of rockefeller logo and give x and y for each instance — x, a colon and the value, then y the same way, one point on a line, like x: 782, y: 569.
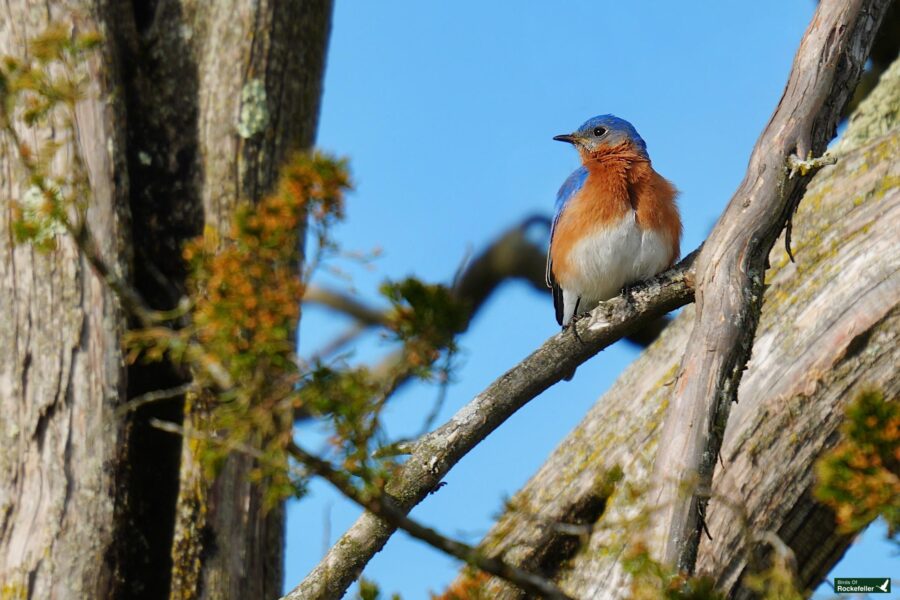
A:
x: 868, y: 585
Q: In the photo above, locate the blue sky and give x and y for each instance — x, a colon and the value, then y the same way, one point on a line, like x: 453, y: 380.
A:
x: 446, y: 111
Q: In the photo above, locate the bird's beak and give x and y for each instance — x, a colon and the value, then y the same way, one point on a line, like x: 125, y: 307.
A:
x: 566, y: 137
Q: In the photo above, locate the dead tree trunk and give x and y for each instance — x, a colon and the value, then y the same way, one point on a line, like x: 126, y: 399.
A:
x: 829, y: 328
x: 192, y: 107
x: 731, y: 268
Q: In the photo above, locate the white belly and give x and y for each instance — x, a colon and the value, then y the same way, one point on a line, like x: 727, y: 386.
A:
x: 608, y: 260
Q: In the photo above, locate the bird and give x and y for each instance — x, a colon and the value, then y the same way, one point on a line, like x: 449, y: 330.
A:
x: 616, y: 220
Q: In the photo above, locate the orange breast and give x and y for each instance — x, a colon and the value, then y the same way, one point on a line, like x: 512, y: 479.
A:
x: 614, y: 187
x: 603, y: 200
x: 653, y: 197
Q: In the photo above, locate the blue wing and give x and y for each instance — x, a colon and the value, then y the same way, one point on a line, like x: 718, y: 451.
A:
x: 570, y: 187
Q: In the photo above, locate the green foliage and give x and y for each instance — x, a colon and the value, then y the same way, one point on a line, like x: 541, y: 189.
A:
x: 860, y: 478
x: 368, y: 590
x: 352, y: 400
x: 245, y: 289
x: 426, y: 318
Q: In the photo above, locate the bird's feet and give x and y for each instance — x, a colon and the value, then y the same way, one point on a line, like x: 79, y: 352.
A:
x: 573, y: 321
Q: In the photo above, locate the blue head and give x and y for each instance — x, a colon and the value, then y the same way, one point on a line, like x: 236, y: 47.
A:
x: 605, y: 133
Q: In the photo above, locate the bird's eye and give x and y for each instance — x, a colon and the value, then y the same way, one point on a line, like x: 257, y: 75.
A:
x: 599, y: 131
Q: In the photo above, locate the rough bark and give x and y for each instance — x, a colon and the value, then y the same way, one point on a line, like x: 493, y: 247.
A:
x: 731, y: 268
x: 260, y: 68
x: 193, y: 107
x: 829, y: 328
x: 61, y: 372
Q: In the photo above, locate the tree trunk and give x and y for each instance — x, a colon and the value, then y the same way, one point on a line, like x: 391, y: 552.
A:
x: 260, y: 69
x: 193, y: 107
x: 830, y: 328
x: 61, y: 368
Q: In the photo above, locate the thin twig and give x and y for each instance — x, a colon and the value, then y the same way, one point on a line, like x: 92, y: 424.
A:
x: 194, y: 434
x: 381, y: 505
x: 436, y: 453
x: 346, y: 304
x: 336, y: 344
x: 154, y: 396
x: 134, y: 304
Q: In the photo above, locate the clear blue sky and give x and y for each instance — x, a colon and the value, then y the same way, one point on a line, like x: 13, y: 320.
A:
x: 446, y: 110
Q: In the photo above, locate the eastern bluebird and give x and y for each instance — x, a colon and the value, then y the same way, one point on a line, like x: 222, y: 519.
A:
x: 616, y: 221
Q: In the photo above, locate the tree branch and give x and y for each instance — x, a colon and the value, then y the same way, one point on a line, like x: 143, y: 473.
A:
x: 513, y: 255
x: 436, y: 453
x: 731, y: 267
x: 365, y: 314
x: 825, y: 68
x: 381, y: 506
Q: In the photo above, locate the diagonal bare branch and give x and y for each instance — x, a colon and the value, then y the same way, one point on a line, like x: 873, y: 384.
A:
x: 731, y: 267
x: 385, y: 509
x: 436, y: 453
x: 513, y: 255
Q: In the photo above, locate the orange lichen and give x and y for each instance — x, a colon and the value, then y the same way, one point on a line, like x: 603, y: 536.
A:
x: 860, y: 478
x: 471, y: 585
x: 247, y: 287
